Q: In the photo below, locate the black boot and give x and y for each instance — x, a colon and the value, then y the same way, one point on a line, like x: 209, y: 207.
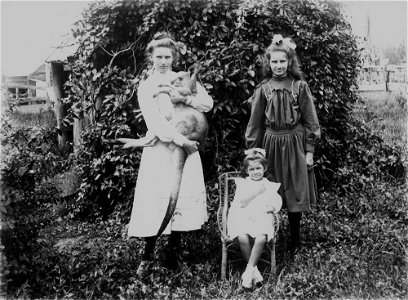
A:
x: 173, y: 249
x: 147, y: 260
x: 294, y: 226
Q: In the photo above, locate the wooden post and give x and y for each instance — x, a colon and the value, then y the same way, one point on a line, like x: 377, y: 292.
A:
x: 78, y: 127
x: 54, y: 74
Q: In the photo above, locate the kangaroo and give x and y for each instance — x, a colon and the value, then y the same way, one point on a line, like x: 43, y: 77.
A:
x: 188, y: 121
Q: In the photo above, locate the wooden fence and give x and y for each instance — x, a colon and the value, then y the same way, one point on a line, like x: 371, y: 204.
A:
x: 383, y: 78
x: 27, y: 101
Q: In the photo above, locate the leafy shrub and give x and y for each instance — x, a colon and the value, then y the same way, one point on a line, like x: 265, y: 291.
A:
x: 366, y: 158
x: 227, y: 37
x: 30, y: 157
x: 108, y: 173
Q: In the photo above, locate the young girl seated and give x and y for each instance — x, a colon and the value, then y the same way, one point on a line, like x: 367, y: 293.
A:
x: 249, y: 215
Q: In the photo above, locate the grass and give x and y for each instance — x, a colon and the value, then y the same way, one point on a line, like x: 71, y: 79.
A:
x: 33, y: 115
x: 347, y: 253
x: 355, y: 246
x: 385, y: 113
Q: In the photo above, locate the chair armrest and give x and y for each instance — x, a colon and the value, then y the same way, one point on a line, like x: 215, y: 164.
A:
x: 275, y: 220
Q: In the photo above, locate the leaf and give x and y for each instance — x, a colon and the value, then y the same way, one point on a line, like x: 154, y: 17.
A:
x: 22, y: 170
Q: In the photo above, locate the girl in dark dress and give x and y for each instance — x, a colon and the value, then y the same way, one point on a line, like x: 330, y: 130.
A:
x: 284, y: 122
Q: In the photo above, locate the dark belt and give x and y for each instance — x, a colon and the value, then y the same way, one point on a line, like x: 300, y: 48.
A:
x: 285, y: 130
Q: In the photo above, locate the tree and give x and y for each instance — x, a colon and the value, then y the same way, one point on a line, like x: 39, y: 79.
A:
x: 396, y: 55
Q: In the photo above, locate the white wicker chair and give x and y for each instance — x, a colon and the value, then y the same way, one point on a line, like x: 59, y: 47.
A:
x: 226, y: 191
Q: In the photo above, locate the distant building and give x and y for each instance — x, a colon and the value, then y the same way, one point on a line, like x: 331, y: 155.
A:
x: 18, y: 86
x: 372, y: 74
x: 38, y: 76
x: 375, y: 73
x: 22, y: 88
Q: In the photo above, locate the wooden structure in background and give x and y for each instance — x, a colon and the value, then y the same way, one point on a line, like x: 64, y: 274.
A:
x: 56, y: 73
x: 22, y: 90
x: 55, y: 76
x: 376, y: 74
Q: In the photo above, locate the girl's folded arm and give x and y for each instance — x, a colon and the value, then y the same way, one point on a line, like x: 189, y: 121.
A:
x: 155, y: 121
x: 247, y: 195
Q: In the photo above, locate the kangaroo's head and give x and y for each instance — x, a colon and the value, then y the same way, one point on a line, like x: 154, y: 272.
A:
x: 187, y: 79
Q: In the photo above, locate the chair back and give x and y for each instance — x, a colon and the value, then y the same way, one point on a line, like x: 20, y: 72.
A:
x: 226, y: 187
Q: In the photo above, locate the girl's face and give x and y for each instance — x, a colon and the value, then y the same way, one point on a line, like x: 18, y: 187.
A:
x: 162, y: 59
x: 255, y: 170
x: 279, y: 63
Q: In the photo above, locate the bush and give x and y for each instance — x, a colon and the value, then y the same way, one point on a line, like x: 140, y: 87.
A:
x: 30, y: 157
x: 227, y: 37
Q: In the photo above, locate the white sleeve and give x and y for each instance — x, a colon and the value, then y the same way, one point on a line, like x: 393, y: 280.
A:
x: 202, y: 101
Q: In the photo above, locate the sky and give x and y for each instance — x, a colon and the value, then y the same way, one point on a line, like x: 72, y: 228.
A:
x: 30, y: 30
x: 388, y: 20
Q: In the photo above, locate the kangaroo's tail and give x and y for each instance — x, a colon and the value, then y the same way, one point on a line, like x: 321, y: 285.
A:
x: 178, y: 162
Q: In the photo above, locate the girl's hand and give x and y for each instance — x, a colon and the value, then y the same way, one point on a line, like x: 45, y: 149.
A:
x: 259, y: 187
x: 309, y: 160
x: 179, y: 99
x: 129, y: 143
x: 255, y: 190
x: 163, y: 89
x: 190, y: 146
x: 271, y: 210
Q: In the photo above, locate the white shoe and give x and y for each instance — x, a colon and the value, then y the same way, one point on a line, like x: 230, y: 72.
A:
x: 247, y: 277
x: 258, y: 279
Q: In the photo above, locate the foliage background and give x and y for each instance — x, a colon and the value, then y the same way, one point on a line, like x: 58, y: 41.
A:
x: 358, y: 224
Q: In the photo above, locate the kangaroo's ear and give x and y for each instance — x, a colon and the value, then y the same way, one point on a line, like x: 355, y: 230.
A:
x: 191, y: 69
x: 197, y: 68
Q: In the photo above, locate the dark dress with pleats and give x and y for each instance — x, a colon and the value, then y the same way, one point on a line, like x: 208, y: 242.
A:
x: 284, y: 122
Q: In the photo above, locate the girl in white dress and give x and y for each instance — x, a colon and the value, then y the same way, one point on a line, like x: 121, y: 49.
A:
x: 249, y: 215
x: 155, y: 173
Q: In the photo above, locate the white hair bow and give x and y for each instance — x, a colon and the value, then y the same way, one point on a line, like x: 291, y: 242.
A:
x: 259, y: 150
x: 278, y: 38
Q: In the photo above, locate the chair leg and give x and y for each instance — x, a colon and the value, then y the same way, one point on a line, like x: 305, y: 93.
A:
x: 224, y: 260
x: 273, y: 259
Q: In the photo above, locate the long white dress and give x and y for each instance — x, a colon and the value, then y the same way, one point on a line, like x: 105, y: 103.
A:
x: 254, y: 218
x: 152, y: 190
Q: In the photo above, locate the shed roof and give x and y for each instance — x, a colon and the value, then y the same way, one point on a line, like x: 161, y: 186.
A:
x: 38, y: 74
x: 62, y: 52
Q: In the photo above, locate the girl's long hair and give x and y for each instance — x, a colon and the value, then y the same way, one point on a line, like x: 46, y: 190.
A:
x: 293, y: 71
